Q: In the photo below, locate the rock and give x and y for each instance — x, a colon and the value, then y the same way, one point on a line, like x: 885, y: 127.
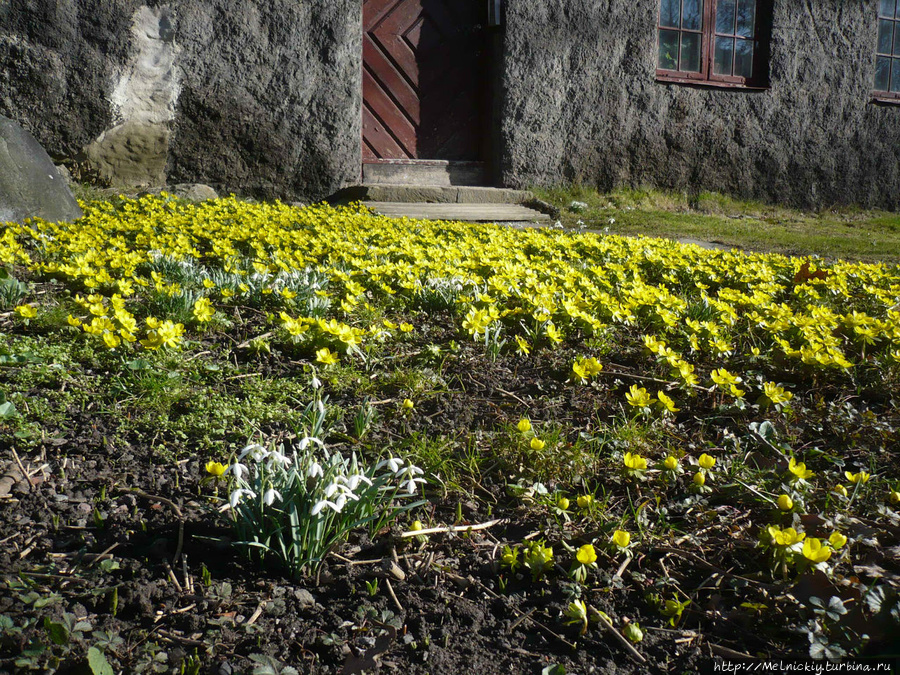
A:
x: 304, y: 597
x: 30, y: 185
x: 195, y: 192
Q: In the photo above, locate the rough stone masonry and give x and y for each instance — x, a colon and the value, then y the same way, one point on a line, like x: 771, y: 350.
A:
x: 265, y: 98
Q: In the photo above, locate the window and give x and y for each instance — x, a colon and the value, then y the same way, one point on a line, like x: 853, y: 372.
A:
x: 712, y: 41
x: 887, y: 52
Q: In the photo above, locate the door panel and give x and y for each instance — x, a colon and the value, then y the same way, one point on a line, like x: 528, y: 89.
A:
x: 423, y: 79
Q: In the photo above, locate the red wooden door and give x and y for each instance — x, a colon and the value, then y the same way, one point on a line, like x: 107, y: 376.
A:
x: 423, y: 79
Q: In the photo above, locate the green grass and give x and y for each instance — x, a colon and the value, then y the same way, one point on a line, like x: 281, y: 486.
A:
x: 841, y: 232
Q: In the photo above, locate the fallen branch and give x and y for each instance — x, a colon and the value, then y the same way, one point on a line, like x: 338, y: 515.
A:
x: 453, y: 528
x: 25, y: 476
x: 634, y: 653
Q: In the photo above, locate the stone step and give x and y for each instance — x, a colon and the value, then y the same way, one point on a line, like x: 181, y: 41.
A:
x: 424, y: 172
x: 471, y: 212
x: 436, y: 194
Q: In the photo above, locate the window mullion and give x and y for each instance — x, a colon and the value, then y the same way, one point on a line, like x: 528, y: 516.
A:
x: 709, y: 37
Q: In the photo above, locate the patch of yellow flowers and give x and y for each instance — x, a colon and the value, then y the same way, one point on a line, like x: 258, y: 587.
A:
x: 531, y: 283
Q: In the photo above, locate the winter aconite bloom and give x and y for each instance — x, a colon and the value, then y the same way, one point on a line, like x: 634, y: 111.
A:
x: 562, y: 503
x: 524, y: 425
x: 203, y: 310
x: 857, y: 478
x: 666, y: 403
x: 537, y: 444
x: 638, y: 397
x: 408, y: 404
x: 837, y: 540
x: 785, y: 503
x: 621, y: 539
x: 215, y: 469
x: 787, y: 537
x: 840, y: 489
x: 586, y: 555
x: 670, y: 463
x: 706, y: 461
x: 814, y: 551
x: 585, y: 502
x: 634, y: 462
x: 26, y: 311
x: 798, y: 471
x: 699, y: 479
x: 326, y: 357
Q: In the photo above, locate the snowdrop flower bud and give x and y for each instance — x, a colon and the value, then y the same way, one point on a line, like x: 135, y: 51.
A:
x: 270, y: 496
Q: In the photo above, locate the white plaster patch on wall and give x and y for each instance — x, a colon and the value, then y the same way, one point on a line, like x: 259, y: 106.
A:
x: 134, y: 151
x: 148, y: 90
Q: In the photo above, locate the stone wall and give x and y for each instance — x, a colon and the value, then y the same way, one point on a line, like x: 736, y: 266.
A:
x: 582, y: 104
x: 261, y: 97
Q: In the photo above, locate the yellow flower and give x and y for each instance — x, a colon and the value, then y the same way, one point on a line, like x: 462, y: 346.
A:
x: 837, y: 540
x: 584, y: 502
x: 839, y: 489
x: 861, y: 477
x: 894, y: 497
x: 562, y: 504
x: 670, y: 463
x: 111, y: 340
x: 26, y: 311
x: 621, y: 538
x: 786, y: 537
x: 215, y: 469
x: 416, y: 526
x: 798, y: 471
x: 699, y: 479
x: 706, y: 462
x: 326, y: 357
x: 638, y: 397
x: 524, y: 425
x: 666, y: 403
x: 406, y: 328
x: 408, y: 404
x: 522, y: 345
x: 74, y: 321
x: 537, y: 444
x: 814, y: 551
x: 634, y: 462
x: 203, y: 310
x: 586, y: 555
x: 775, y: 394
x: 785, y: 503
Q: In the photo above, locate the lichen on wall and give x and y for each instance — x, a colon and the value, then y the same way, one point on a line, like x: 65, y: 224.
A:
x: 134, y: 152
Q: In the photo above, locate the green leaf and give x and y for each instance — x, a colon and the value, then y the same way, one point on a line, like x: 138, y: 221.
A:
x: 51, y: 599
x: 139, y: 364
x: 57, y: 632
x: 555, y: 669
x: 98, y: 663
x: 7, y: 409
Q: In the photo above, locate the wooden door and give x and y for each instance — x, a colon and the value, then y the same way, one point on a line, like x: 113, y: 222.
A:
x: 423, y: 79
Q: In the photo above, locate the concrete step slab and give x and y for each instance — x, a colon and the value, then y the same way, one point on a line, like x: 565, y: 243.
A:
x: 472, y: 213
x: 424, y: 172
x: 432, y: 194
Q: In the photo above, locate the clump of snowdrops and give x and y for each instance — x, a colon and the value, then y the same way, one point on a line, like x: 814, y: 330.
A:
x: 292, y: 505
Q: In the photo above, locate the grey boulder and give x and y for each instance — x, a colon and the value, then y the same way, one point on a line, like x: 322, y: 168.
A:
x: 30, y: 185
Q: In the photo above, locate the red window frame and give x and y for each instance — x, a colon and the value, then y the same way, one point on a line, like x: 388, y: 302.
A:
x: 708, y: 34
x: 892, y: 55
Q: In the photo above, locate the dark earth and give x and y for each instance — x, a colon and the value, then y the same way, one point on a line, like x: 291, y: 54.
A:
x: 122, y: 546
